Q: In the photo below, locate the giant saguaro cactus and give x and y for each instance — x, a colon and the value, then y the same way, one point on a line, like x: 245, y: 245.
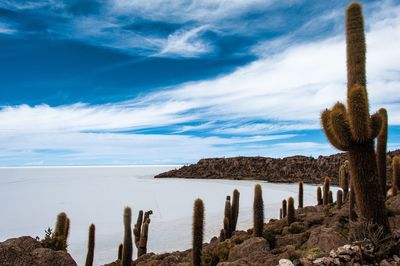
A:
x: 353, y: 129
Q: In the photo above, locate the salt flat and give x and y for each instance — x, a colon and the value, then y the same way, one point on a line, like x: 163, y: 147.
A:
x: 31, y: 198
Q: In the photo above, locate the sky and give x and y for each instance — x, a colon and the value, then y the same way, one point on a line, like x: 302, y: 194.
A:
x: 173, y: 81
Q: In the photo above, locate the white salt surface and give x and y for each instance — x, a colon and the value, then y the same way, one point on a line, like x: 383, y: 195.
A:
x: 31, y: 198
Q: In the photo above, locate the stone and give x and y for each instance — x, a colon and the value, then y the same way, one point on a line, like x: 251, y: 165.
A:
x: 26, y: 250
x: 285, y: 262
x: 325, y: 238
x: 249, y: 246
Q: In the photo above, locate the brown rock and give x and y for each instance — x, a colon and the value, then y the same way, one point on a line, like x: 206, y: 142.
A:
x: 325, y: 239
x: 26, y: 250
x: 248, y: 248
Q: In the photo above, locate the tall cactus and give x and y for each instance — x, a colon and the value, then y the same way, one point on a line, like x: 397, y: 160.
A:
x: 91, y: 240
x: 141, y: 231
x: 258, y: 212
x: 198, y: 231
x: 235, y: 209
x: 127, y: 246
x: 301, y: 194
x: 344, y: 178
x: 319, y: 196
x: 284, y: 208
x: 381, y: 145
x: 291, y: 212
x: 327, y: 182
x: 352, y: 129
x: 228, y: 217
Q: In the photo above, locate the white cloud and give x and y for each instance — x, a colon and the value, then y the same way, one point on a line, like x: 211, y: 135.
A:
x: 288, y: 89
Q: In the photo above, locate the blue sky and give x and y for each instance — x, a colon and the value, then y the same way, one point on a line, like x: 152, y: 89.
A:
x: 173, y: 81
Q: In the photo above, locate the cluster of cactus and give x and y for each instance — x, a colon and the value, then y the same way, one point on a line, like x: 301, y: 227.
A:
x: 395, y: 174
x: 57, y: 240
x: 351, y: 128
x: 141, y: 231
x: 91, y: 241
x: 231, y: 214
x: 344, y: 179
x: 198, y: 231
x: 258, y: 212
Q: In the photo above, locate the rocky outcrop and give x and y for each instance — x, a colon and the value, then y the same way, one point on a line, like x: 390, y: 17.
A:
x: 289, y: 169
x: 26, y: 250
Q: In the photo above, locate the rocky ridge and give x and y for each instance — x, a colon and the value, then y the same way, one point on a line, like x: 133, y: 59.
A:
x: 289, y: 169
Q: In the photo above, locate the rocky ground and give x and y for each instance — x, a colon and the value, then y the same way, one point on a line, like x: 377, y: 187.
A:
x: 289, y: 169
x: 320, y: 236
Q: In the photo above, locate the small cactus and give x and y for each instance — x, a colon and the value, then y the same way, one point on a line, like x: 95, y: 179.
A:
x: 319, y: 196
x: 62, y: 230
x: 198, y: 230
x: 327, y: 182
x: 301, y: 194
x: 284, y: 208
x: 91, y: 240
x: 291, y: 212
x: 339, y: 199
x: 258, y: 212
x: 127, y: 247
x: 330, y: 197
x: 141, y: 233
x: 280, y: 213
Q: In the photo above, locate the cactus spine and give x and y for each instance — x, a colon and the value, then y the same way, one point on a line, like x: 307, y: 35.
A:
x: 141, y: 231
x: 301, y: 194
x: 284, y: 208
x: 352, y: 129
x: 319, y: 196
x: 327, y: 182
x: 381, y: 146
x: 344, y: 178
x: 235, y: 209
x: 339, y: 199
x: 90, y: 253
x: 198, y: 229
x: 291, y: 213
x: 127, y: 246
x: 258, y: 212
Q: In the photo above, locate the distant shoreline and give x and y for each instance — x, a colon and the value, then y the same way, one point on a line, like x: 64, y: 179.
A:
x: 91, y: 166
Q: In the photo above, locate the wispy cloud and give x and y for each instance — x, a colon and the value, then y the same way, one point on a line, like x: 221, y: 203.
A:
x: 269, y: 101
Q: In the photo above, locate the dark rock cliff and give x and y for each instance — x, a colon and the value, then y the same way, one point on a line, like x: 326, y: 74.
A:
x: 289, y: 169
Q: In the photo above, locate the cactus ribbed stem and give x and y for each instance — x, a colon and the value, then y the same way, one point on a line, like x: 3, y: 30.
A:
x: 127, y: 247
x: 327, y: 182
x: 291, y: 212
x: 198, y: 231
x: 319, y: 196
x: 301, y: 194
x: 258, y: 212
x: 91, y: 241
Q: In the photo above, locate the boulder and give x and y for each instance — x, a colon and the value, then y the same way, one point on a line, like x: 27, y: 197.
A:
x: 26, y: 250
x: 325, y: 239
x: 248, y: 247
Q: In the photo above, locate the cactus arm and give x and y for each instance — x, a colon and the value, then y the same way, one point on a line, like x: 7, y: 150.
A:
x: 326, y: 125
x: 359, y: 114
x: 340, y: 126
